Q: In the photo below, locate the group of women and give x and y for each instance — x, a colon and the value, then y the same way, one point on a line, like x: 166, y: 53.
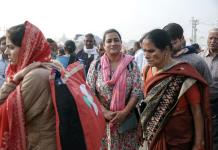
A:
x: 175, y: 114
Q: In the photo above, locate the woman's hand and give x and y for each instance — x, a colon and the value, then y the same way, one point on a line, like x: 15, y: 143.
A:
x: 119, y: 117
x: 109, y: 115
x: 199, y: 127
x: 19, y: 75
x: 197, y: 146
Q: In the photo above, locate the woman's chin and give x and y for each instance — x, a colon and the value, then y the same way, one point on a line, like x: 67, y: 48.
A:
x: 151, y: 64
x: 114, y: 53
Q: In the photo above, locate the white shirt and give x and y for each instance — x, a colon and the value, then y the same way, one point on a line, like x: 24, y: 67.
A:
x: 140, y: 59
x: 90, y: 52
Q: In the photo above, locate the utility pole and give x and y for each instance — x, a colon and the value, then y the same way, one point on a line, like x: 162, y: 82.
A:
x: 195, y: 22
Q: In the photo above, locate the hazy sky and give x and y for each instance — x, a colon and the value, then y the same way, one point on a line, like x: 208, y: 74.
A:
x: 131, y: 17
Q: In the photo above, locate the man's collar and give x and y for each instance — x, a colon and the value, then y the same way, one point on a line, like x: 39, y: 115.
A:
x: 207, y: 53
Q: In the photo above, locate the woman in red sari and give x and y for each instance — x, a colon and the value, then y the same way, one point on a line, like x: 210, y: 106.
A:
x: 31, y: 115
x: 177, y: 114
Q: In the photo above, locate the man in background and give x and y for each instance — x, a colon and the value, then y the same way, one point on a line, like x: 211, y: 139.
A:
x: 183, y: 54
x: 89, y: 51
x: 210, y: 55
x: 139, y: 56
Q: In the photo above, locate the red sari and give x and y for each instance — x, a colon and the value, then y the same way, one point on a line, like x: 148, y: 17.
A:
x: 165, y: 131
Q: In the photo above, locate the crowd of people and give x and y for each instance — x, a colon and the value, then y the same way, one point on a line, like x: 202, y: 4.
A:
x: 160, y: 95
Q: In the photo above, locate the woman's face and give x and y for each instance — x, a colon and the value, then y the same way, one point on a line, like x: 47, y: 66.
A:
x: 11, y: 51
x: 112, y: 44
x: 155, y: 57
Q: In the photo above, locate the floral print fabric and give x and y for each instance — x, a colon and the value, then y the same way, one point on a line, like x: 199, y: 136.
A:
x: 114, y: 140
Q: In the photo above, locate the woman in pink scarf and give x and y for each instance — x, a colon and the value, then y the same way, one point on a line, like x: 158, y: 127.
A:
x: 115, y: 79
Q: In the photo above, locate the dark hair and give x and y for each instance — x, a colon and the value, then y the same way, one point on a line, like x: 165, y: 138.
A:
x: 111, y: 31
x: 196, y: 46
x: 50, y: 40
x: 174, y: 30
x: 90, y: 35
x: 137, y: 45
x: 159, y: 37
x: 70, y: 46
x: 16, y: 33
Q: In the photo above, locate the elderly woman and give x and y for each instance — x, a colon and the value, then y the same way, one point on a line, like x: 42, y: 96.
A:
x: 177, y: 114
x: 115, y: 79
x: 30, y: 114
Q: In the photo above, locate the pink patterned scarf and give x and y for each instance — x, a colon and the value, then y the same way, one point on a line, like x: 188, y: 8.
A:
x: 118, y: 80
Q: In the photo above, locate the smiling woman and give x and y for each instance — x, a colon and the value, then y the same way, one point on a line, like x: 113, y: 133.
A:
x: 115, y: 79
x: 112, y: 44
